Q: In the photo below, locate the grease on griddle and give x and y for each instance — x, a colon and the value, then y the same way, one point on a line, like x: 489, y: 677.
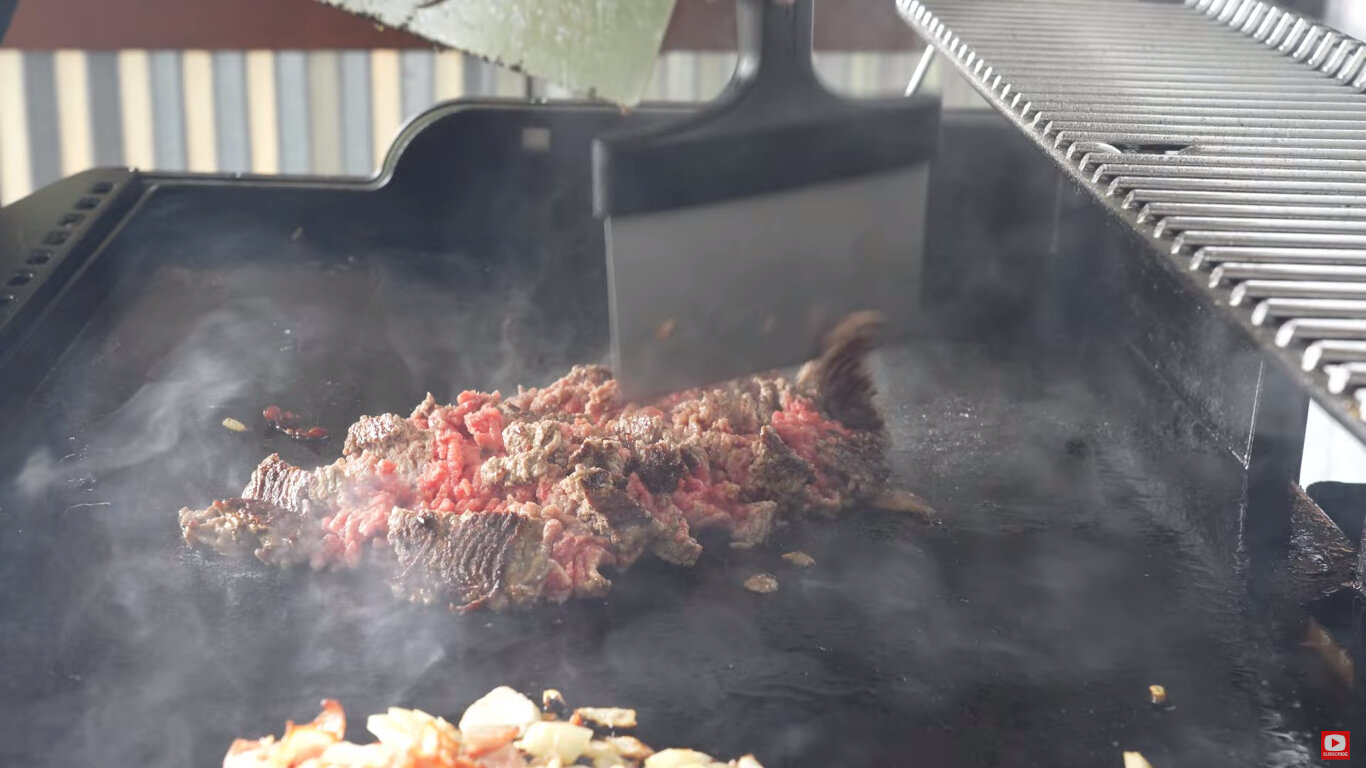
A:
x: 288, y: 422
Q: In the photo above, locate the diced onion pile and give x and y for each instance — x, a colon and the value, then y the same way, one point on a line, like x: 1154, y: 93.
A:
x: 504, y: 729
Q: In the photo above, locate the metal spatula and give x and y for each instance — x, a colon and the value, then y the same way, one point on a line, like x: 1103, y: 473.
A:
x: 738, y: 235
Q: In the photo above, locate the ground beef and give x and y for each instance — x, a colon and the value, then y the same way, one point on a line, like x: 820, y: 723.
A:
x: 497, y: 503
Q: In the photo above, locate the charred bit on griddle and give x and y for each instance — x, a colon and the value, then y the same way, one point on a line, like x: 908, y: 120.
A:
x: 288, y: 423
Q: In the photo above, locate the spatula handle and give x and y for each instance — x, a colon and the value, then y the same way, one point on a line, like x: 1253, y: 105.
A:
x: 774, y: 128
x: 775, y: 52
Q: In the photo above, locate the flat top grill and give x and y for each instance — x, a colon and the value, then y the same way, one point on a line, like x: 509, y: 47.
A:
x: 1230, y: 133
x: 1087, y: 547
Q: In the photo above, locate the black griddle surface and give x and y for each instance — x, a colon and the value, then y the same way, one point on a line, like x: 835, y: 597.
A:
x: 1065, y: 577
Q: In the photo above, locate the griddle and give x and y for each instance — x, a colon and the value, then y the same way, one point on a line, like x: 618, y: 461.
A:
x: 1093, y: 538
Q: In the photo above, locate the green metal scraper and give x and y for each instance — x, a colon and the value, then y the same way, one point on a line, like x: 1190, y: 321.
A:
x: 605, y: 48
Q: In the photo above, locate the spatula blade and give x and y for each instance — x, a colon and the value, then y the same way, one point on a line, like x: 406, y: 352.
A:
x: 709, y: 293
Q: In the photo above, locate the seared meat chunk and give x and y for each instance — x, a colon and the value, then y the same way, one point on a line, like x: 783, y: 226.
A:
x: 275, y: 535
x: 604, y: 452
x: 659, y: 465
x: 469, y: 560
x: 840, y: 379
x: 374, y: 432
x: 535, y: 449
x: 611, y: 513
x: 281, y: 484
x: 778, y: 473
x: 855, y: 465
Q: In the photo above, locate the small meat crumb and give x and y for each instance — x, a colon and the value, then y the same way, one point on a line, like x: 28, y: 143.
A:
x: 552, y: 702
x: 665, y: 330
x: 763, y: 583
x: 799, y: 559
x: 234, y: 425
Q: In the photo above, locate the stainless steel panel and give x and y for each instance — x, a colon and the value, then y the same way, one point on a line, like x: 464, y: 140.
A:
x: 1231, y: 133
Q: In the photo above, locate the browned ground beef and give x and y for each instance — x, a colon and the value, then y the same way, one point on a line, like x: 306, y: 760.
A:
x: 498, y: 502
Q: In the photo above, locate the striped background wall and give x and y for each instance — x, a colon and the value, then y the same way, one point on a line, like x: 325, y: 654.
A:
x: 293, y: 112
x: 335, y: 112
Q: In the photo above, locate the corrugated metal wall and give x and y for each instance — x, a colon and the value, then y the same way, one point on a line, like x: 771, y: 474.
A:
x: 295, y: 112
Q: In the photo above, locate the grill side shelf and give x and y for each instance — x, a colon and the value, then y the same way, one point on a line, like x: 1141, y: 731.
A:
x: 45, y: 240
x: 1230, y: 134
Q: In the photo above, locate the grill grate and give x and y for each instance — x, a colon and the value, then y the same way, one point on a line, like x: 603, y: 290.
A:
x: 1231, y: 132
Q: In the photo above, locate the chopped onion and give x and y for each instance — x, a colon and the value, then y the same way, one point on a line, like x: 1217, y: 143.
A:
x: 629, y: 747
x: 390, y: 728
x: 501, y: 707
x: 678, y: 758
x: 603, y: 755
x: 1135, y: 760
x: 415, y: 731
x: 564, y: 740
x: 607, y: 717
x: 374, y: 755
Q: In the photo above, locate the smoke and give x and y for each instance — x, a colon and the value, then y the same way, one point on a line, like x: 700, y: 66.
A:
x: 152, y: 654
x: 168, y: 418
x: 510, y: 337
x: 1060, y: 584
x: 1054, y: 585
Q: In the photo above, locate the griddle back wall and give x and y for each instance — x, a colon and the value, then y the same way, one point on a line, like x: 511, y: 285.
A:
x: 1019, y: 258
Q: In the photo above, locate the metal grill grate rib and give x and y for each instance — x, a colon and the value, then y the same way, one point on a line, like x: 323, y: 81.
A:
x: 1231, y: 131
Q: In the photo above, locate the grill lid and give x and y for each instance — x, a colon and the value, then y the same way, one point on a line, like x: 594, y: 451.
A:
x: 1230, y: 133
